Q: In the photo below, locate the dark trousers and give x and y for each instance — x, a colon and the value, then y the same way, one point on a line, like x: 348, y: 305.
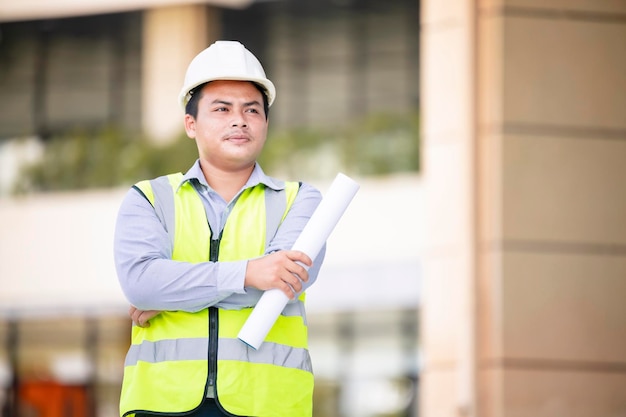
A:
x: 208, y: 409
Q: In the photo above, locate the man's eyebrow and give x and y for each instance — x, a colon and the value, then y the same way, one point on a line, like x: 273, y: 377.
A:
x: 218, y: 101
x: 228, y: 103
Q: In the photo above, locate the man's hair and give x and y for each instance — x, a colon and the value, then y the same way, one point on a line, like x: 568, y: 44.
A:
x: 196, y: 94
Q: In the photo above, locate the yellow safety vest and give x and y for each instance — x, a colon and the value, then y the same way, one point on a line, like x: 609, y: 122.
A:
x: 171, y: 364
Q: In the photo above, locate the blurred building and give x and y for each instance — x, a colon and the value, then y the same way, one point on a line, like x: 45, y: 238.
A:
x: 512, y: 241
x: 64, y: 329
x: 524, y: 147
x: 63, y: 324
x: 121, y: 62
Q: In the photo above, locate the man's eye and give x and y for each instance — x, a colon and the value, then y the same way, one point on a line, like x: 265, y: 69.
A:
x: 253, y: 110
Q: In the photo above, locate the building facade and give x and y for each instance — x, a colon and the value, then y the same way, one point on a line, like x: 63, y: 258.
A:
x: 522, y: 242
x: 524, y: 147
x: 121, y: 64
x: 331, y: 63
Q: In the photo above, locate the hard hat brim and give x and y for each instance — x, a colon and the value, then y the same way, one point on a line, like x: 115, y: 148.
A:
x: 267, y: 85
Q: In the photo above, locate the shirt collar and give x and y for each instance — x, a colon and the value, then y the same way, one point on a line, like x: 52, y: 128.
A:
x: 257, y: 177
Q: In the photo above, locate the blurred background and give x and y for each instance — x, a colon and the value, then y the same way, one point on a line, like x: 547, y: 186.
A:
x: 479, y: 271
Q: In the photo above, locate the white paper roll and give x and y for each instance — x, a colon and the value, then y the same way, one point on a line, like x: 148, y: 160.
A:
x: 311, y: 240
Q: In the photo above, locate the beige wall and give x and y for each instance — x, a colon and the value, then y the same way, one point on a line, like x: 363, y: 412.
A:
x: 172, y: 37
x: 45, y: 9
x: 524, y: 129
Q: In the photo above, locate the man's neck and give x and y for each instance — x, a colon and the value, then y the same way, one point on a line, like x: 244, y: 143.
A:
x: 226, y: 183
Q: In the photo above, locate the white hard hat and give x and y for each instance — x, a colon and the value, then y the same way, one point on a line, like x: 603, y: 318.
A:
x: 225, y: 60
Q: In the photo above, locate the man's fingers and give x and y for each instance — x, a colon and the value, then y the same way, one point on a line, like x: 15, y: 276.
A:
x: 143, y: 319
x: 134, y: 314
x: 294, y: 281
x: 300, y: 272
x: 295, y: 276
x: 285, y: 270
x: 140, y: 317
x: 297, y: 256
x: 288, y: 290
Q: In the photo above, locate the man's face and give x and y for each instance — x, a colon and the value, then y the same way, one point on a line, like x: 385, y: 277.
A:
x: 230, y: 128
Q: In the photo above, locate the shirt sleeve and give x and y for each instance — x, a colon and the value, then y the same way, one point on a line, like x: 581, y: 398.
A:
x: 148, y: 276
x: 303, y: 207
x: 151, y: 280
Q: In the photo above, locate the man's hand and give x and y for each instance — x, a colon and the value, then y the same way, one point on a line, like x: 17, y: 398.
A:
x: 140, y: 317
x: 281, y: 270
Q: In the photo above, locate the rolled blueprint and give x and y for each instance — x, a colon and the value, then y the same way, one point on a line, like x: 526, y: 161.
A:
x: 310, y: 241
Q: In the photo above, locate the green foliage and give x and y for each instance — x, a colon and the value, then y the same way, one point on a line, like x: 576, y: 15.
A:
x: 384, y: 144
x: 108, y: 158
x: 378, y: 144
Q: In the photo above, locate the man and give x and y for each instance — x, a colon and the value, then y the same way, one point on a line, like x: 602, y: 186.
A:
x: 195, y: 252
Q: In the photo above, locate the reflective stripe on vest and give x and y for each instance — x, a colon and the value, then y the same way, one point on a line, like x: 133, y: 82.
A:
x: 166, y: 369
x: 230, y: 350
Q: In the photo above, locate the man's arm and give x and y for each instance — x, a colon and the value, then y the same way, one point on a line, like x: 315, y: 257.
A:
x: 152, y: 281
x: 302, y: 209
x: 148, y: 276
x: 304, y: 206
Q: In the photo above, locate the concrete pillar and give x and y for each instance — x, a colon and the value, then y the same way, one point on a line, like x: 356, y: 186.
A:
x: 449, y: 178
x: 524, y: 132
x: 172, y: 36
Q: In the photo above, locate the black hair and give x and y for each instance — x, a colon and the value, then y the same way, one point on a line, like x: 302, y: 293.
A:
x: 196, y: 94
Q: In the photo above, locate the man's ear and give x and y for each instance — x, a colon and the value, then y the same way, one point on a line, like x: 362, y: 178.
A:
x: 190, y: 126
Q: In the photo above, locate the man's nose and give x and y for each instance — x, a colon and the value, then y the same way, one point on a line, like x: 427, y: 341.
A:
x: 239, y: 120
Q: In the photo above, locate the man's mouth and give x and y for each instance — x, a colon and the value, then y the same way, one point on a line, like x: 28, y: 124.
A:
x: 238, y: 139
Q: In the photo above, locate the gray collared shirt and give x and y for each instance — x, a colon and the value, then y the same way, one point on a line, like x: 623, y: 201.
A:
x: 151, y: 280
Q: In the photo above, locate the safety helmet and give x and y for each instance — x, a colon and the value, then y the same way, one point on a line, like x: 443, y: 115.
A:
x: 225, y: 60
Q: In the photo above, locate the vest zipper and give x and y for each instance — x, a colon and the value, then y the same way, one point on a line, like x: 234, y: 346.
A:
x: 214, y: 250
x: 213, y: 349
x: 213, y: 324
